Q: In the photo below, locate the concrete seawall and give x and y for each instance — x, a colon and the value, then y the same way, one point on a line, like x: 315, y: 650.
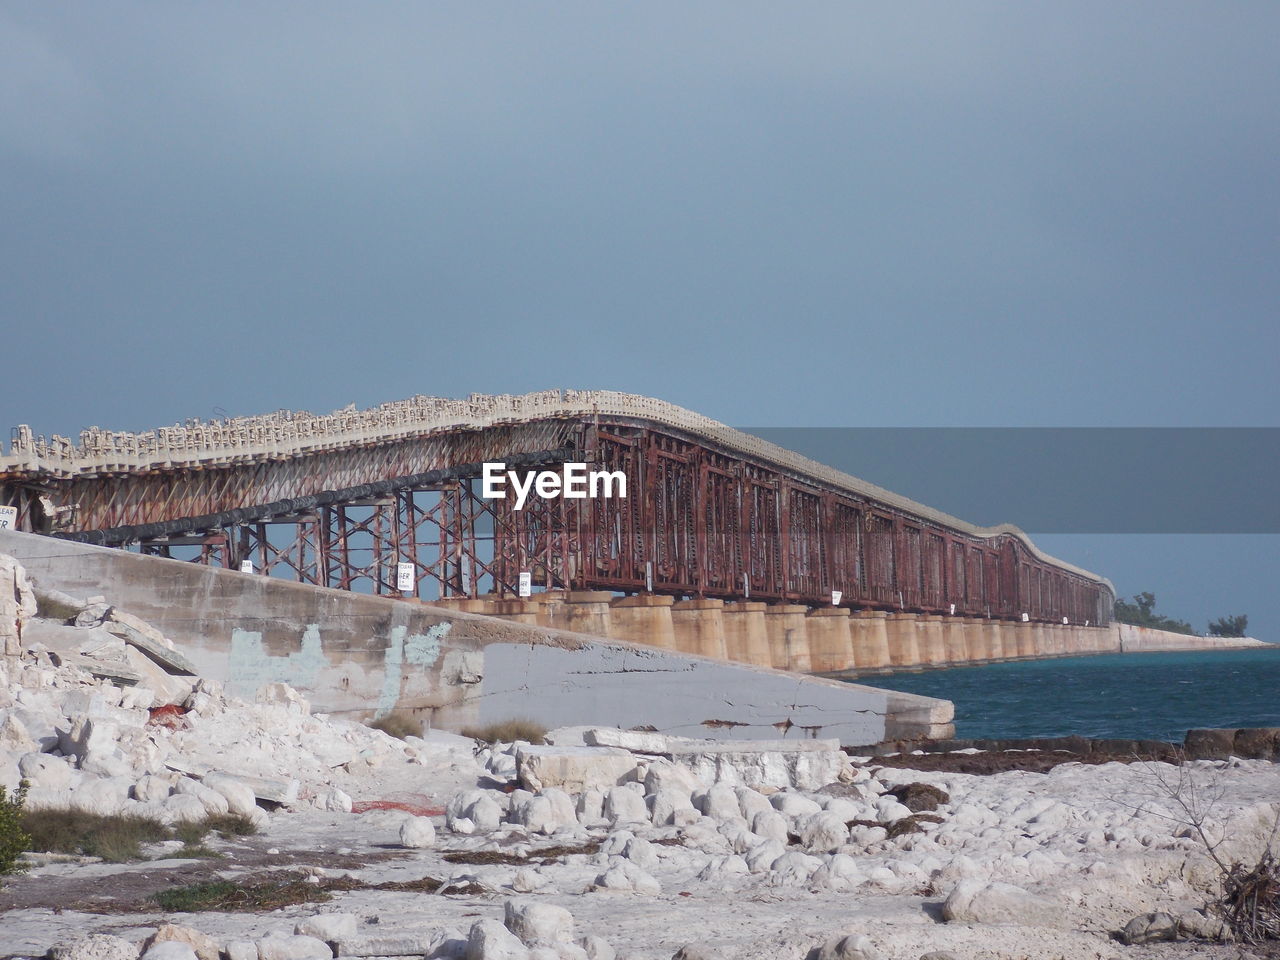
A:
x: 364, y: 655
x: 828, y: 641
x: 1131, y: 639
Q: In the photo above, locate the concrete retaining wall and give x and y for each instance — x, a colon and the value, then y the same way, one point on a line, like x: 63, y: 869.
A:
x: 352, y: 653
x: 1131, y: 639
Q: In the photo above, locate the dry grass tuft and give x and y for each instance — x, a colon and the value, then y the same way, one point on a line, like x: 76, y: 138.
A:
x: 117, y: 839
x: 398, y: 725
x: 507, y: 731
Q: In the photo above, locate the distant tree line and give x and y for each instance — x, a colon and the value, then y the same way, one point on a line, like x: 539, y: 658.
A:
x: 1142, y: 613
x: 1229, y: 626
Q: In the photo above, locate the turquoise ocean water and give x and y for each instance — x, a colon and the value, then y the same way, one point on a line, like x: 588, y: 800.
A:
x: 1148, y: 696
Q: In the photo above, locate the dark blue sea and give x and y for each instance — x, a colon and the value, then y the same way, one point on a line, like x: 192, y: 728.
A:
x: 1140, y: 696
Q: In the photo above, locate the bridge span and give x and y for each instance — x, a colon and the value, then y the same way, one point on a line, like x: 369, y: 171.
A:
x: 713, y: 514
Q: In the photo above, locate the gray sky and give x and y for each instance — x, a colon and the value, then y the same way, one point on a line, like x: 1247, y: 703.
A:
x: 817, y: 214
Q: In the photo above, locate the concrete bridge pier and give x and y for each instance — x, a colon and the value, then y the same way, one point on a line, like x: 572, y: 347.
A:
x: 1025, y: 640
x: 1061, y: 639
x: 1041, y: 639
x: 1080, y: 637
x: 870, y: 639
x: 644, y: 618
x: 904, y: 642
x: 933, y: 648
x: 1049, y: 640
x: 830, y: 640
x: 546, y: 605
x: 787, y: 628
x: 584, y: 611
x: 466, y: 604
x: 746, y: 639
x: 1002, y: 640
x: 953, y: 636
x: 976, y: 645
x: 515, y: 611
x: 699, y: 626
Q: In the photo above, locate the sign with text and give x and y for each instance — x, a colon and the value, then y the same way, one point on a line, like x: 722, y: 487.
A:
x: 8, y: 518
x: 246, y: 566
x: 404, y: 577
x: 526, y: 584
x: 835, y: 597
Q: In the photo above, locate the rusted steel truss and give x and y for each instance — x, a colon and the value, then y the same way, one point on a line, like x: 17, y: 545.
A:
x: 697, y: 521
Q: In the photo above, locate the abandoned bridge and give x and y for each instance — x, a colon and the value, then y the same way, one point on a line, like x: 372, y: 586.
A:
x: 725, y: 545
x: 343, y: 500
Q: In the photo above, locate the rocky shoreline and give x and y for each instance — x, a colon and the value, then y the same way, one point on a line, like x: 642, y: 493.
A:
x: 599, y: 843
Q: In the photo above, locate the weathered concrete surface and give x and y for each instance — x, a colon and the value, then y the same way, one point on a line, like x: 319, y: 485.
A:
x: 369, y: 655
x: 1131, y: 639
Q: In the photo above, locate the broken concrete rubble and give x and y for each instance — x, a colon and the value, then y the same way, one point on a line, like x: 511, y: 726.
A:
x: 572, y: 768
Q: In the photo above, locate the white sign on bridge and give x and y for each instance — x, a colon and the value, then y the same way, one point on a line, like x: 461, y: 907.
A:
x: 8, y: 518
x: 404, y: 577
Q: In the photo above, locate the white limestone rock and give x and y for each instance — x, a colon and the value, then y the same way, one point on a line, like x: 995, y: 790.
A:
x: 669, y: 805
x: 417, y: 833
x: 491, y: 940
x: 473, y: 811
x: 642, y: 853
x: 761, y: 857
x: 182, y: 808
x: 625, y: 876
x: 239, y: 795
x: 334, y: 800
x: 793, y: 869
x: 535, y: 814
x: 102, y: 796
x: 662, y: 773
x: 634, y: 741
x: 152, y: 789
x: 42, y: 770
x: 770, y: 825
x: 798, y: 764
x: 205, y: 947
x: 624, y: 804
x: 838, y: 872
x: 720, y: 802
x: 823, y: 832
x: 597, y: 948
x: 293, y: 948
x: 14, y: 736
x: 889, y: 810
x: 751, y: 802
x: 170, y: 950
x: 214, y: 803
x: 528, y: 880
x: 978, y: 901
x: 538, y: 924
x: 794, y: 806
x: 281, y: 694
x: 851, y: 947
x: 719, y: 869
x: 96, y: 946
x: 327, y: 926
x: 573, y: 769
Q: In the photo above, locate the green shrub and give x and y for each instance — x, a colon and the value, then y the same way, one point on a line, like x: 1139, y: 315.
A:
x: 14, y: 841
x: 507, y: 731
